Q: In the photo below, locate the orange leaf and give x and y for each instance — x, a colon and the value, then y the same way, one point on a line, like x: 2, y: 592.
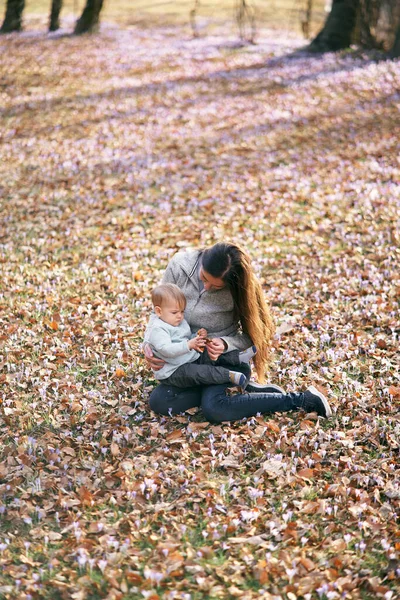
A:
x: 174, y: 435
x: 307, y: 563
x: 306, y: 473
x: 316, y: 457
x: 133, y: 577
x: 51, y: 324
x: 85, y: 496
x: 119, y: 373
x: 92, y: 417
x: 272, y: 426
x: 176, y: 558
x: 307, y: 424
x: 394, y: 391
x: 263, y: 577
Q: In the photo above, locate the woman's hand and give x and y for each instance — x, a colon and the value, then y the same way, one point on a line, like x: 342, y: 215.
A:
x: 215, y: 348
x: 152, y: 361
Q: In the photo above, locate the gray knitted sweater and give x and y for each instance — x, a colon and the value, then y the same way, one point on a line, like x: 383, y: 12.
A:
x: 212, y: 309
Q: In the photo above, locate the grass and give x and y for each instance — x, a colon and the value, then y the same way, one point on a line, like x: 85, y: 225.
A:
x: 276, y: 14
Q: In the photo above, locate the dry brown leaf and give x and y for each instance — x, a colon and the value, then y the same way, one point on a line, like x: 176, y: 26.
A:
x: 306, y: 473
x: 115, y: 450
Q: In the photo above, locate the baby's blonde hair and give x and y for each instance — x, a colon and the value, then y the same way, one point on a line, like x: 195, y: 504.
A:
x: 168, y: 291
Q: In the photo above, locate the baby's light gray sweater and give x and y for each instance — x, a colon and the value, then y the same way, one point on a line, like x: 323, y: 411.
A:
x: 169, y: 343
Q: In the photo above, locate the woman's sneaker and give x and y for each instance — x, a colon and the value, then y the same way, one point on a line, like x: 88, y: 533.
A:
x: 315, y: 401
x: 264, y: 388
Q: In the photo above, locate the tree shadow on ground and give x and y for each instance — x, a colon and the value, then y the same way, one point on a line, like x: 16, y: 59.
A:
x: 221, y: 76
x: 343, y: 141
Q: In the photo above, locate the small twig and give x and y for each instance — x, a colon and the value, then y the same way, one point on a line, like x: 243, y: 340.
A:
x: 193, y: 23
x: 245, y: 16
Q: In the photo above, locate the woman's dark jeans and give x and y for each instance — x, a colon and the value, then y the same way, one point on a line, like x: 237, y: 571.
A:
x: 216, y: 405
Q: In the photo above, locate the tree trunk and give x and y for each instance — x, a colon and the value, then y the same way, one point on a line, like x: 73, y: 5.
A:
x: 56, y: 6
x: 395, y: 51
x: 13, y: 19
x: 89, y: 20
x: 338, y: 29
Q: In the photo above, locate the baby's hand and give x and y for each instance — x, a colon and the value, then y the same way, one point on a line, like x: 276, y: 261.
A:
x: 197, y: 343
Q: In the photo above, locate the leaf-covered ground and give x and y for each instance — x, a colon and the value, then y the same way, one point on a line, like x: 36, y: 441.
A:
x: 116, y: 151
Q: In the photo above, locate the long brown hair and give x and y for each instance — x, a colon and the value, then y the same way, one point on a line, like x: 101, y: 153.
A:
x: 232, y: 264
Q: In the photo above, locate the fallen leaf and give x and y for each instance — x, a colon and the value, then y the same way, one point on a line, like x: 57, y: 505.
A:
x: 306, y: 473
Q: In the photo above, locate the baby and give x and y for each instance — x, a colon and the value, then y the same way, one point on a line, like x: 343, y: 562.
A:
x: 186, y: 360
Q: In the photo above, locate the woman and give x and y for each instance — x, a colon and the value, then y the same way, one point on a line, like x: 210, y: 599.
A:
x: 223, y: 296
